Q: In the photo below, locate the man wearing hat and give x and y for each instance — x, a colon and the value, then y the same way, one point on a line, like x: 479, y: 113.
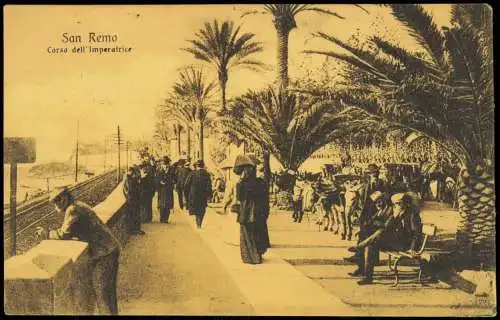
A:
x: 181, y: 172
x: 146, y: 182
x: 81, y: 222
x: 132, y: 194
x: 165, y: 184
x: 199, y: 191
x: 374, y: 181
x: 399, y: 231
x: 373, y: 184
x: 377, y: 208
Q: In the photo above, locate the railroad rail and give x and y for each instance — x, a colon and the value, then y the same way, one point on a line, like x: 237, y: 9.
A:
x: 41, y: 213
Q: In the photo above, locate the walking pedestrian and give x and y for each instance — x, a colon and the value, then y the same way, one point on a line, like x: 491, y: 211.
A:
x: 298, y: 208
x: 253, y: 212
x: 199, y: 190
x: 146, y: 193
x: 132, y: 194
x: 180, y: 175
x: 165, y: 190
x: 81, y: 222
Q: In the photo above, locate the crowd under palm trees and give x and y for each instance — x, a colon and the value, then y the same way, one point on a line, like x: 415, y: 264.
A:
x: 442, y: 92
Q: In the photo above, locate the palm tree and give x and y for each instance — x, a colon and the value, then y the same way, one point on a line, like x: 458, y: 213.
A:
x: 224, y: 48
x: 288, y: 125
x: 196, y: 95
x: 445, y: 93
x: 177, y: 128
x: 176, y: 109
x: 284, y: 22
x: 161, y: 134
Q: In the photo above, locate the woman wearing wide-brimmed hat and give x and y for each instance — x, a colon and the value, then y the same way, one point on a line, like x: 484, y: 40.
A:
x: 253, y: 211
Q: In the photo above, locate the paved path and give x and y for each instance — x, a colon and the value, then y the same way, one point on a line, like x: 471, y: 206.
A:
x: 274, y: 287
x: 171, y: 271
x: 178, y: 269
x: 319, y: 256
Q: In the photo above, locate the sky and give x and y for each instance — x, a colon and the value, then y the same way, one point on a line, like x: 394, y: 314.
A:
x: 46, y: 94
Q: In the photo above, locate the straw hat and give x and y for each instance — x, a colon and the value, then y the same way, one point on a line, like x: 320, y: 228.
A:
x: 243, y: 160
x: 398, y: 197
x: 376, y: 196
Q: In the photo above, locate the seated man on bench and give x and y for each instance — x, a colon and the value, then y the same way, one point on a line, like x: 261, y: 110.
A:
x: 399, y: 231
x: 376, y: 210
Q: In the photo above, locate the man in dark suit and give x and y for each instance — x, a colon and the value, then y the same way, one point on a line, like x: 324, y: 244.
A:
x: 376, y: 207
x: 199, y: 189
x: 181, y: 172
x: 398, y: 231
x: 165, y: 190
x: 146, y: 183
x: 373, y: 184
x: 131, y: 191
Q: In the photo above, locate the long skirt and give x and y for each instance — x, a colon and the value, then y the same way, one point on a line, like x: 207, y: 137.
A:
x: 262, y: 237
x: 248, y: 245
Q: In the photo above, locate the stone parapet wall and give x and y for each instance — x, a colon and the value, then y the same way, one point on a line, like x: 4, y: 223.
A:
x: 53, y: 278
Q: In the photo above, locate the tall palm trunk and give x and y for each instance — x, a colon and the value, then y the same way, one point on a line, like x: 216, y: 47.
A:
x: 476, y: 229
x: 178, y: 131
x: 222, y: 84
x: 188, y: 132
x: 201, y: 140
x: 282, y: 54
x: 267, y: 168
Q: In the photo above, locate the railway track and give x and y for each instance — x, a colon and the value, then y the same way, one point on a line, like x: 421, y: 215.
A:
x: 41, y: 213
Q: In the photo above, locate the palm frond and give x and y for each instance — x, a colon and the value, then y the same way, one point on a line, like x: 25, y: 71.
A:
x: 324, y: 11
x: 424, y: 30
x: 390, y: 70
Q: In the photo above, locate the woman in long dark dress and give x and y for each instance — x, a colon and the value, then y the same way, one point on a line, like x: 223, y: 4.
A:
x: 251, y: 192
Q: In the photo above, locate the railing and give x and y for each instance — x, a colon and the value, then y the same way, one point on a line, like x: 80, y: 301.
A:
x: 40, y: 212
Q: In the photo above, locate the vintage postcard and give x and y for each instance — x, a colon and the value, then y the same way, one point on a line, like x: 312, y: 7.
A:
x: 249, y: 159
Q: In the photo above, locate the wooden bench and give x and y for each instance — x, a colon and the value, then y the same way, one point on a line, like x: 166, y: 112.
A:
x: 428, y: 230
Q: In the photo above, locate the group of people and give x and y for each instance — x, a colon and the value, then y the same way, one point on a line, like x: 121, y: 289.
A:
x: 249, y: 197
x: 192, y: 184
x: 388, y: 214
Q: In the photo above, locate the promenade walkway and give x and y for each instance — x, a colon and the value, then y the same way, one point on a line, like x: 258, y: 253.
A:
x: 178, y: 269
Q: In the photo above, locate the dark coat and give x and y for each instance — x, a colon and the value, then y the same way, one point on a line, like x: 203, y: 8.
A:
x: 253, y: 195
x: 198, y: 188
x: 376, y: 185
x: 131, y: 189
x: 146, y: 185
x: 181, y: 174
x: 166, y: 188
x: 403, y: 232
x: 254, y: 200
x: 81, y: 222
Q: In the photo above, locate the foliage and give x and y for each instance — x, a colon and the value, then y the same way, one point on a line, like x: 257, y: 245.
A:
x: 290, y: 125
x: 446, y: 93
x: 224, y: 48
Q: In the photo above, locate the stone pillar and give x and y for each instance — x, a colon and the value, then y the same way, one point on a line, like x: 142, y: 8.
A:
x: 50, y: 279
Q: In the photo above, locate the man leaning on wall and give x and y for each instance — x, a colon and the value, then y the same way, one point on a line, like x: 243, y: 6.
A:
x: 82, y: 223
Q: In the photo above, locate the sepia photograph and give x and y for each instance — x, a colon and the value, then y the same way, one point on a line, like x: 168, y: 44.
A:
x: 249, y: 160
